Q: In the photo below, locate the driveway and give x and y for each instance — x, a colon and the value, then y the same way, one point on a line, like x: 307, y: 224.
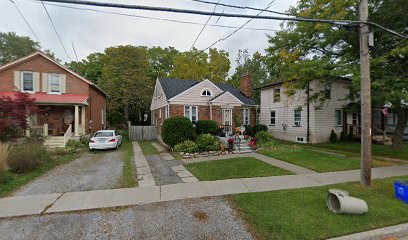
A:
x: 92, y: 171
x: 206, y: 218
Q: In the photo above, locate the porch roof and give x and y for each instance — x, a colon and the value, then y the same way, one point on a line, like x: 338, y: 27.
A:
x: 44, y: 98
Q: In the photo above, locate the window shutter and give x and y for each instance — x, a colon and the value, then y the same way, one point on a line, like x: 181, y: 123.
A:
x: 36, y: 87
x: 63, y: 83
x: 44, y: 83
x: 17, y: 80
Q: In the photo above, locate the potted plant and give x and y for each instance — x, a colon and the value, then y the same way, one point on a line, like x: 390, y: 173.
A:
x: 231, y: 143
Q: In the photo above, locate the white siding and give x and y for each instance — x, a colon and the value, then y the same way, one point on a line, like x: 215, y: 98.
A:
x: 227, y: 100
x: 160, y: 101
x: 193, y: 95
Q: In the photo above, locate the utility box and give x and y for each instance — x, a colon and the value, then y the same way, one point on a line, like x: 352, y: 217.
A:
x: 401, y: 190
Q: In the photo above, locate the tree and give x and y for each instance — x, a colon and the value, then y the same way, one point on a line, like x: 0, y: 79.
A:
x: 13, y: 47
x: 162, y: 60
x: 90, y: 68
x: 198, y: 65
x: 125, y: 78
x: 308, y: 51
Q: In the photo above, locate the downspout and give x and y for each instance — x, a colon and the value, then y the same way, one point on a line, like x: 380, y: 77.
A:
x: 211, y: 117
x: 308, y: 114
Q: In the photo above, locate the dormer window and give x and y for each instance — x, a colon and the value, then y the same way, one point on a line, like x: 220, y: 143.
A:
x: 206, y: 93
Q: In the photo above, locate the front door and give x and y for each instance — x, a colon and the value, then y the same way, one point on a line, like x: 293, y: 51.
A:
x: 227, y: 117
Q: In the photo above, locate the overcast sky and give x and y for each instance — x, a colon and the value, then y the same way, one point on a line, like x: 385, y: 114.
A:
x: 93, y: 32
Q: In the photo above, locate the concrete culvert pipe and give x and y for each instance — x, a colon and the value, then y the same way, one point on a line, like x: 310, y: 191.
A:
x: 338, y: 201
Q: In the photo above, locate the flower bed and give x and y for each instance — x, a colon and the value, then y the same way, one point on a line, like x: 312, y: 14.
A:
x: 206, y: 154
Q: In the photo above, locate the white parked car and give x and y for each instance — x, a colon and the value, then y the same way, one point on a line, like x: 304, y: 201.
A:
x: 105, y: 139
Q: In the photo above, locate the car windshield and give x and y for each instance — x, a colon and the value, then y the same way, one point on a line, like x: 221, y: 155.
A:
x: 103, y: 134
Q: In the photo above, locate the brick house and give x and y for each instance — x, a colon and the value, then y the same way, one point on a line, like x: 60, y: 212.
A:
x: 203, y: 100
x: 70, y: 103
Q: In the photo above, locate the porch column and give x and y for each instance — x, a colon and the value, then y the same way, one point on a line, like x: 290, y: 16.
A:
x: 28, y: 125
x: 76, y: 121
x: 83, y: 120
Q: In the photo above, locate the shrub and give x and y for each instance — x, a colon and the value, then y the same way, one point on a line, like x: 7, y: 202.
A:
x: 350, y: 136
x: 333, y: 137
x: 4, y: 152
x: 186, y: 146
x: 26, y: 157
x: 207, y: 142
x: 176, y: 130
x: 259, y: 127
x: 249, y: 131
x: 74, y: 144
x: 265, y: 139
x: 343, y: 137
x: 206, y: 126
x: 84, y: 139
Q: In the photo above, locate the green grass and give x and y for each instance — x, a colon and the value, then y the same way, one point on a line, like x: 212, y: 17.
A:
x: 147, y: 148
x: 234, y: 168
x: 303, y: 214
x: 378, y: 150
x: 129, y: 170
x: 11, y: 181
x: 317, y: 161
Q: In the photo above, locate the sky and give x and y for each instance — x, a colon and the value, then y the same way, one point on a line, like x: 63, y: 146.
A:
x: 87, y: 31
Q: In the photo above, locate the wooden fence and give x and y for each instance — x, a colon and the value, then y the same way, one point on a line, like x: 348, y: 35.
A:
x: 142, y: 133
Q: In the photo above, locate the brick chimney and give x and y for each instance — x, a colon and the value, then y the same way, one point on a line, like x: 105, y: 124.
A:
x: 245, y: 84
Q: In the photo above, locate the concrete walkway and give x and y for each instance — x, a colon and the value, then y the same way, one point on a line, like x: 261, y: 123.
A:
x: 277, y: 163
x: 75, y: 201
x: 144, y: 175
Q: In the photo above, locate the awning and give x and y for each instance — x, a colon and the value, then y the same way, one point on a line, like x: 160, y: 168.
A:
x: 57, y: 99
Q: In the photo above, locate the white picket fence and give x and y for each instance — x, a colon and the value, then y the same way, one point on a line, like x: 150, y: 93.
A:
x: 142, y: 133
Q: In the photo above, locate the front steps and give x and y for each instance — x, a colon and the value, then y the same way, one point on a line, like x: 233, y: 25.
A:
x: 54, y: 142
x: 241, y: 145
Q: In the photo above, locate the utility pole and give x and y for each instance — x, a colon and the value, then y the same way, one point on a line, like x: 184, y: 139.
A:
x: 365, y: 96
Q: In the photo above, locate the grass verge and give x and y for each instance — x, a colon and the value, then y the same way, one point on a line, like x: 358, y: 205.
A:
x: 234, y: 168
x: 303, y: 214
x: 129, y: 169
x: 11, y: 181
x: 147, y: 148
x: 317, y: 161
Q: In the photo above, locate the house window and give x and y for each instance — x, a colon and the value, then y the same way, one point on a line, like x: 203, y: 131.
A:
x: 27, y: 80
x: 273, y: 118
x: 160, y: 113
x: 327, y: 90
x: 338, y: 117
x: 355, y: 118
x: 190, y: 112
x: 298, y: 117
x: 166, y: 112
x: 246, y: 115
x: 54, y: 82
x: 206, y: 92
x: 157, y: 92
x: 103, y: 116
x: 276, y: 95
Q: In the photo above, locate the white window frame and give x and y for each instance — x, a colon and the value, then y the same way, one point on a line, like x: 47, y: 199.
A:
x: 190, y: 113
x: 270, y: 118
x: 22, y: 82
x: 49, y: 83
x: 206, y: 90
x: 223, y: 116
x: 298, y: 122
x: 274, y: 94
x: 246, y: 116
x: 354, y: 118
x: 335, y: 118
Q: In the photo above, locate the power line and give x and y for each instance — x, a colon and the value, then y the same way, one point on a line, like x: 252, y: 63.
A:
x: 230, y: 15
x: 160, y: 19
x: 244, y: 7
x: 73, y: 48
x: 55, y: 30
x: 202, y: 29
x: 25, y: 20
x: 236, y: 30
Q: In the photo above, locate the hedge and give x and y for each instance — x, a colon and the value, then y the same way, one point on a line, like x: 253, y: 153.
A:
x: 206, y: 126
x: 176, y: 130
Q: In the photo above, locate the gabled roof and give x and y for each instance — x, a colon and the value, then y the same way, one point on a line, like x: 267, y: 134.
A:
x: 39, y: 53
x: 225, y: 93
x: 172, y: 87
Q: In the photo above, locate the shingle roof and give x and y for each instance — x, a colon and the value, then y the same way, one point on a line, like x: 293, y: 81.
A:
x: 172, y: 87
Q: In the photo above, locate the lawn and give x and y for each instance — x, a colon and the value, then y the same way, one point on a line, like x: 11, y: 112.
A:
x: 303, y: 214
x: 11, y: 181
x: 378, y: 150
x: 129, y: 168
x: 147, y: 148
x: 317, y: 161
x: 244, y: 167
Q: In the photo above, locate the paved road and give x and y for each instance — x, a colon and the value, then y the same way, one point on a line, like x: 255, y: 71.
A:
x: 92, y: 171
x: 208, y: 218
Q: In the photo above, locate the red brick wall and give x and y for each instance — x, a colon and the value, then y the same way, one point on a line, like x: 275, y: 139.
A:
x: 245, y: 84
x: 97, y: 102
x: 160, y: 118
x: 41, y: 65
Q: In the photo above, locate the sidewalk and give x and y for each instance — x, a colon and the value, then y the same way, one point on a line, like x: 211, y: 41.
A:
x: 394, y: 232
x: 75, y: 201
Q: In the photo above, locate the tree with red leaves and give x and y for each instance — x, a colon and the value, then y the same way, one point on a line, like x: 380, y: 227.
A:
x: 13, y: 112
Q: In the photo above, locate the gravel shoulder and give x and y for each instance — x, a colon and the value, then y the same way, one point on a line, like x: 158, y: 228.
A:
x: 92, y: 171
x: 205, y: 218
